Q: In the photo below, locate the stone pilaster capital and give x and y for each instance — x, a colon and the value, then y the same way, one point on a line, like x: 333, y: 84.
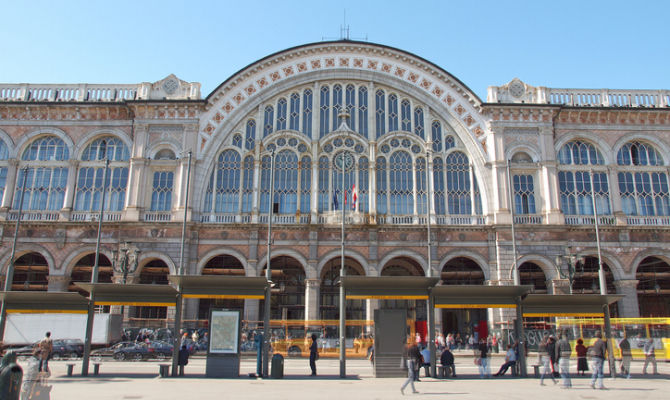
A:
x: 626, y: 283
x: 312, y: 283
x: 58, y: 279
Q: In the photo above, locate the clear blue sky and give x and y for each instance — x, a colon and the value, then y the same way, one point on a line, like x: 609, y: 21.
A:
x: 574, y: 44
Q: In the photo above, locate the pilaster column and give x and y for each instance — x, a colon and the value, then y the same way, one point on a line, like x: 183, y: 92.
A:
x: 10, y: 185
x: 314, y: 201
x: 180, y: 188
x: 135, y: 189
x: 73, y: 170
x: 628, y: 306
x: 58, y: 283
x: 312, y: 293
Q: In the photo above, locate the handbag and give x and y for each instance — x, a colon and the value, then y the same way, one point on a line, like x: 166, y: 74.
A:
x: 478, y: 361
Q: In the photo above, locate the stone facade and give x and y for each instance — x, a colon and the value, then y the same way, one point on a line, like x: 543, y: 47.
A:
x: 160, y: 123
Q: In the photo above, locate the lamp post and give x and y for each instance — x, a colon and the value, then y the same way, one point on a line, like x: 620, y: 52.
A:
x: 124, y: 261
x: 268, y: 274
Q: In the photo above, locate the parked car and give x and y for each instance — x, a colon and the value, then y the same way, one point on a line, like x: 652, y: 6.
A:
x: 136, y: 351
x: 159, y: 350
x: 62, y: 349
x: 99, y: 354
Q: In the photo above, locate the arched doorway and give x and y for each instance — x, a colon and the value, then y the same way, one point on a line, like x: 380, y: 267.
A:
x: 586, y: 280
x: 464, y: 322
x: 531, y: 274
x: 83, y: 270
x: 155, y: 272
x: 288, y: 290
x: 416, y: 309
x: 653, y: 288
x: 220, y: 265
x: 31, y: 272
x: 330, y: 290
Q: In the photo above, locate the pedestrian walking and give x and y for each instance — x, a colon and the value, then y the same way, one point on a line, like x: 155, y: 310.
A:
x: 599, y: 351
x: 582, y: 364
x: 626, y: 356
x: 46, y: 346
x: 411, y: 358
x: 545, y: 361
x: 563, y: 353
x: 313, y: 354
x: 649, y: 356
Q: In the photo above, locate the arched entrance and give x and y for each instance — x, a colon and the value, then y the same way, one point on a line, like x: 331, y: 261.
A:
x: 586, y: 280
x: 653, y: 288
x: 330, y: 290
x: 31, y: 272
x: 155, y: 272
x: 288, y: 291
x: 83, y: 270
x: 416, y: 309
x: 221, y: 265
x: 531, y: 274
x: 463, y: 271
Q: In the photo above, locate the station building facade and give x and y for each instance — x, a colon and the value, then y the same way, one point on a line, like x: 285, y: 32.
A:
x: 422, y: 150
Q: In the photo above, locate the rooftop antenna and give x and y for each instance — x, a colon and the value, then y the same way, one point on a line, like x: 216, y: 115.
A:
x: 345, y: 32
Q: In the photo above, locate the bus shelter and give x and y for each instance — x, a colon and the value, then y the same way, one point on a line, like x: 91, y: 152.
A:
x: 219, y: 364
x: 113, y: 294
x: 478, y: 296
x: 574, y: 305
x: 390, y: 325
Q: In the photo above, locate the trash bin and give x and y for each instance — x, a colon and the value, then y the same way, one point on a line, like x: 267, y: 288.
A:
x: 11, y: 377
x: 277, y: 370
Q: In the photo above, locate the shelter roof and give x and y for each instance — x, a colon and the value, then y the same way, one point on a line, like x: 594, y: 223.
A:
x: 220, y: 286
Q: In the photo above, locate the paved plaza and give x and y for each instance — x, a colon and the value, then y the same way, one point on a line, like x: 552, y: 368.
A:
x: 139, y: 380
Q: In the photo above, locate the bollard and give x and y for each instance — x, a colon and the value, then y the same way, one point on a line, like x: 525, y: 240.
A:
x: 11, y: 376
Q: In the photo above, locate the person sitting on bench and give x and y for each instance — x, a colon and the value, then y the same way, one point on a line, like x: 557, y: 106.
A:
x: 447, y: 360
x: 510, y: 361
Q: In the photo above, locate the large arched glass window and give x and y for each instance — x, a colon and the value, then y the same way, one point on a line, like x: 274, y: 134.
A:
x: 337, y: 105
x: 161, y: 196
x: 264, y: 190
x: 305, y: 184
x: 436, y: 129
x: 458, y: 183
x: 405, y: 116
x: 382, y: 194
x: 248, y: 184
x: 224, y: 184
x: 281, y: 114
x: 401, y: 184
x: 642, y: 184
x: 438, y: 186
x: 524, y: 194
x: 350, y: 101
x: 307, y: 113
x: 380, y: 113
x: 47, y: 177
x: 294, y: 116
x: 250, y: 139
x: 286, y: 182
x: 363, y: 175
x: 363, y: 111
x: 324, y: 105
x: 268, y: 116
x: 393, y: 113
x: 421, y: 186
x: 324, y: 183
x: 577, y: 158
x: 4, y: 155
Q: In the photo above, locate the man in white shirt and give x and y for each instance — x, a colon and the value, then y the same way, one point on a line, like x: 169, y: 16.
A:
x: 510, y: 360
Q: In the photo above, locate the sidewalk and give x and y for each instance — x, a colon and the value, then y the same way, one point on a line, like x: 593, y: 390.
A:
x: 139, y: 380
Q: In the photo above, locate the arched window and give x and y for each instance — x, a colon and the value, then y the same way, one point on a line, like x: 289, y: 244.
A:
x: 161, y: 196
x: 418, y: 122
x: 458, y: 184
x: 363, y: 111
x: 393, y: 113
x: 281, y: 114
x: 524, y: 194
x: 307, y: 113
x: 250, y: 139
x: 305, y: 184
x: 337, y: 105
x: 294, y: 116
x: 421, y: 186
x: 248, y: 184
x: 265, y: 184
x: 575, y: 180
x: 643, y: 190
x: 406, y: 116
x: 449, y: 142
x: 324, y: 184
x: 286, y: 182
x: 4, y: 155
x: 224, y: 183
x: 363, y: 177
x: 268, y: 116
x: 350, y: 101
x: 237, y: 141
x: 380, y: 113
x: 382, y: 187
x: 401, y: 184
x: 438, y: 186
x: 324, y: 111
x: 47, y: 176
x: 436, y: 129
